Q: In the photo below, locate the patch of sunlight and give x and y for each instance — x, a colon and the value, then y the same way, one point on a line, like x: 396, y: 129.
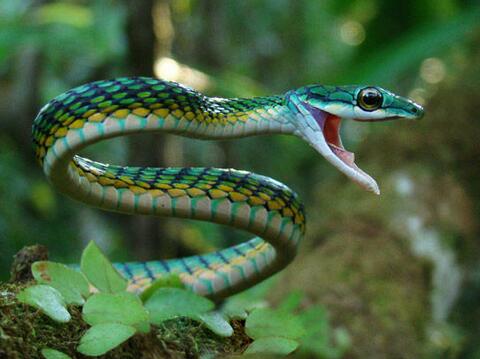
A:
x: 432, y: 70
x: 352, y: 33
x: 169, y: 69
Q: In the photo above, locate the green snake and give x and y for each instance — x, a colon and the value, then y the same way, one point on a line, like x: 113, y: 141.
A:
x: 248, y: 201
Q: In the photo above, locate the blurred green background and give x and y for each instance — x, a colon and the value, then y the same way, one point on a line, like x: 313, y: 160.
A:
x: 400, y: 272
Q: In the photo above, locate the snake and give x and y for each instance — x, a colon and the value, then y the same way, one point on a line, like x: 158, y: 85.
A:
x: 260, y: 205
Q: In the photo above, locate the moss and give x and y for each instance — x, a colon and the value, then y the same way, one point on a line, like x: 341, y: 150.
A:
x: 25, y: 331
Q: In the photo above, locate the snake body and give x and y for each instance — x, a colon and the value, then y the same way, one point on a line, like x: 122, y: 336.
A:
x: 257, y: 204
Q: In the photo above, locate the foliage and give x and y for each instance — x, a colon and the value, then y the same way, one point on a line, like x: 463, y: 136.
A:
x: 217, y: 322
x: 168, y: 303
x: 100, y: 272
x: 71, y: 284
x: 264, y: 325
x: 264, y: 47
x: 103, y: 337
x: 47, y: 299
x: 125, y: 308
x: 272, y: 345
x: 265, y: 322
x: 25, y: 332
x: 319, y: 335
x: 115, y: 315
x: 171, y: 281
x: 53, y: 354
x: 308, y: 329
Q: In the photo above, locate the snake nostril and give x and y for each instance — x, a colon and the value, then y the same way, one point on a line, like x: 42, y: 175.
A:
x: 416, y: 111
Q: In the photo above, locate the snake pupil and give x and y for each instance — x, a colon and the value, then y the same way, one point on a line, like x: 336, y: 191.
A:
x: 370, y: 99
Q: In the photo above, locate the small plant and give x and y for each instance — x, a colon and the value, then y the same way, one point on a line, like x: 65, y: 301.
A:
x: 285, y: 329
x: 115, y: 315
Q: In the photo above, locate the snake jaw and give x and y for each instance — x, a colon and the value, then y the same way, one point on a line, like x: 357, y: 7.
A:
x: 322, y: 131
x: 320, y: 110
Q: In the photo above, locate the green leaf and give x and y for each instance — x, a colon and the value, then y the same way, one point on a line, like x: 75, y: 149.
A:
x: 168, y: 303
x: 235, y: 313
x: 47, y: 299
x: 292, y: 301
x: 317, y: 339
x: 70, y: 283
x: 100, y: 272
x: 54, y: 354
x: 239, y: 305
x: 216, y: 323
x: 319, y: 334
x: 100, y: 338
x: 272, y: 345
x: 265, y: 322
x: 143, y: 327
x: 124, y: 308
x: 170, y: 281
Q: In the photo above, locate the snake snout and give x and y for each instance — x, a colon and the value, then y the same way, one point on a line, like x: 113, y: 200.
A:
x: 416, y: 110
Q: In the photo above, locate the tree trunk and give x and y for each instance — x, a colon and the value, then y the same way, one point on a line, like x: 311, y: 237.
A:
x: 148, y: 237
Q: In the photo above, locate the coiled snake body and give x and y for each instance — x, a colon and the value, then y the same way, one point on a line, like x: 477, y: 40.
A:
x: 244, y: 200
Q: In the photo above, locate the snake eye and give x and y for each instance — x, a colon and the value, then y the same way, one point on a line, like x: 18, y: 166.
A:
x: 369, y: 99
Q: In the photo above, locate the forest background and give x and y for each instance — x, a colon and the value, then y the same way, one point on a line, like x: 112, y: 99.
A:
x: 400, y: 272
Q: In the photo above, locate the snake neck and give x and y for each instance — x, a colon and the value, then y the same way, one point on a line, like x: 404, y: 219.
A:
x: 239, y: 117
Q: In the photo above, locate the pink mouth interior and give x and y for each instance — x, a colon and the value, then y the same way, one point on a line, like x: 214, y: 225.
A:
x: 331, y: 131
x: 330, y: 126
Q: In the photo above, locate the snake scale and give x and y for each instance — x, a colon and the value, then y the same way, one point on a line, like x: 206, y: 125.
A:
x: 248, y: 201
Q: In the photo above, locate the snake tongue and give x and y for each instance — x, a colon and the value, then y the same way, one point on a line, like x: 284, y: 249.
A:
x: 343, y: 154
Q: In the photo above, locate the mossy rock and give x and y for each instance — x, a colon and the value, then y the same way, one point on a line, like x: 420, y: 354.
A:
x: 25, y: 331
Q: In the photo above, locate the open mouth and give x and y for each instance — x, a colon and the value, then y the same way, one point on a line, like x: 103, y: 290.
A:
x: 324, y: 135
x: 330, y: 126
x: 331, y: 131
x: 320, y: 126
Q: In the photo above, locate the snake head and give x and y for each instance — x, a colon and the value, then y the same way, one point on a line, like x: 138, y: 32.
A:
x: 320, y: 110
